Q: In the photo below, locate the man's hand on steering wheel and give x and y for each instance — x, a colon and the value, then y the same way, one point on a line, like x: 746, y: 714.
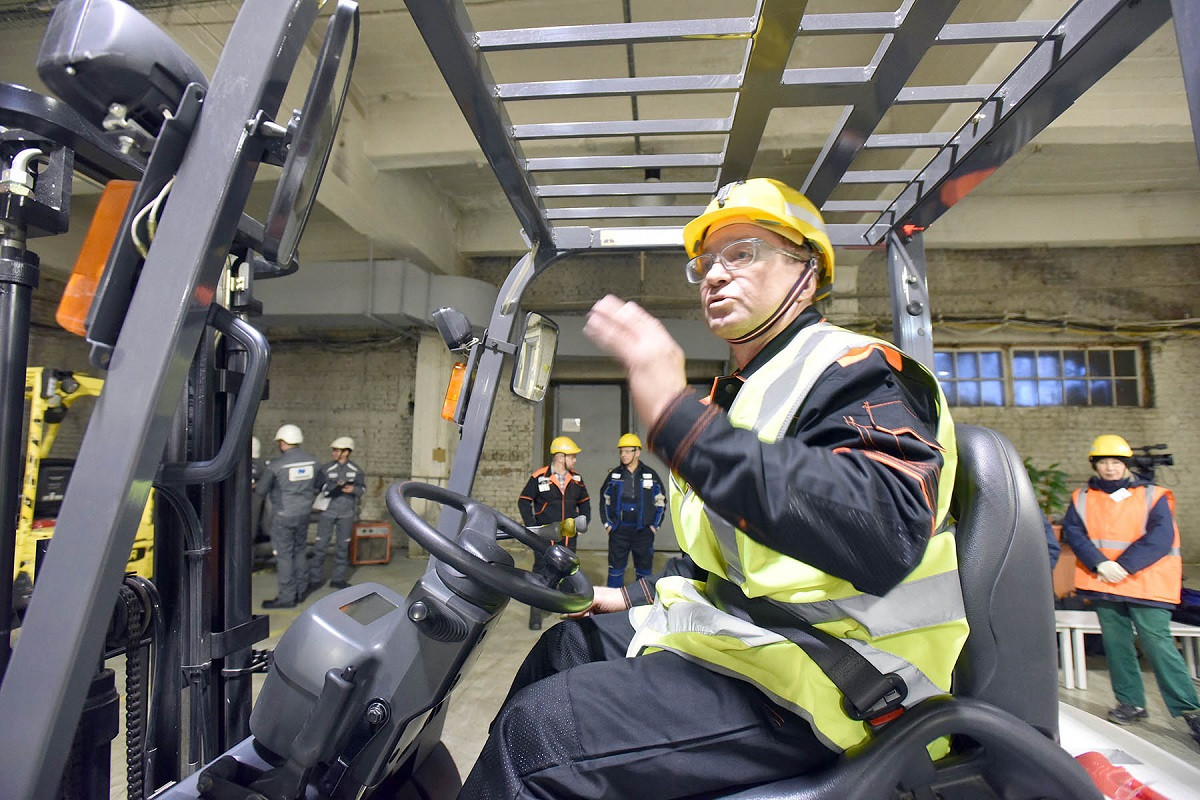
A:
x: 605, y: 600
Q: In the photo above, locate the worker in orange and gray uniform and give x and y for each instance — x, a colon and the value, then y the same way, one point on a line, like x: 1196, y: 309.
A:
x: 807, y: 495
x: 554, y: 493
x: 632, y: 502
x: 1122, y: 529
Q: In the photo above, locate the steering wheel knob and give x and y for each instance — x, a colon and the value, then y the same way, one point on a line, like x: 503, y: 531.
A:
x: 561, y: 562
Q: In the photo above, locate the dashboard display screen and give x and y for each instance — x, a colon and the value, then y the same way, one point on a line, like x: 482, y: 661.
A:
x: 366, y: 610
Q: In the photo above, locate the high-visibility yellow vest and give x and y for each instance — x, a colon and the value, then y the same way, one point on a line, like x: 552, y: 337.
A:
x: 1113, y: 525
x: 916, y: 630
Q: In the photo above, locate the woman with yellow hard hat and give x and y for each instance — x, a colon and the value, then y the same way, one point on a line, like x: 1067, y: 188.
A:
x: 1122, y: 529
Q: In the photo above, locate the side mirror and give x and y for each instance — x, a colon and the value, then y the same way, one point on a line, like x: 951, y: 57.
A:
x: 101, y: 53
x: 535, y: 357
x: 312, y: 136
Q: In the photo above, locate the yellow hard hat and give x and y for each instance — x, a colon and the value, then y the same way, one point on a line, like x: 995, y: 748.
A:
x: 629, y: 440
x: 563, y: 444
x: 1109, y: 445
x: 774, y: 206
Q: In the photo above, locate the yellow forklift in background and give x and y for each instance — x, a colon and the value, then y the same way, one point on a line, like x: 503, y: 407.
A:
x: 51, y: 393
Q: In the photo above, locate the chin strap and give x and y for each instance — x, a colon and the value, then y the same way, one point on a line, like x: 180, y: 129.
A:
x: 797, y: 289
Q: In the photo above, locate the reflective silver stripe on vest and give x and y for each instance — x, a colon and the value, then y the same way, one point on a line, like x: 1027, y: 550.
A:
x: 727, y: 537
x: 782, y: 389
x: 905, y: 608
x: 1113, y: 544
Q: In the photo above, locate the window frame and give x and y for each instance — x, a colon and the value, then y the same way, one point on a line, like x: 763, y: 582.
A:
x: 1012, y: 381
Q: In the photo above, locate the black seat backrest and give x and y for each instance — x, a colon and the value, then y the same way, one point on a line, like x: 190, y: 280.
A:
x: 1009, y: 659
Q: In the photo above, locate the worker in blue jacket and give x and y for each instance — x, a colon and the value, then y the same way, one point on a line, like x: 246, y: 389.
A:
x: 632, y: 502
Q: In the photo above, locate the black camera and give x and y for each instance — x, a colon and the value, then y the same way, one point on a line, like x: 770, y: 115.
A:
x: 1145, y: 461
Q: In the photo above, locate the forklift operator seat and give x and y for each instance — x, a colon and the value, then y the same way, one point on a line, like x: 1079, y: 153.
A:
x: 1005, y: 700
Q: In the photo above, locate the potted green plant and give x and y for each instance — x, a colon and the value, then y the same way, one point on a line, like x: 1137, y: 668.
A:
x: 1050, y: 486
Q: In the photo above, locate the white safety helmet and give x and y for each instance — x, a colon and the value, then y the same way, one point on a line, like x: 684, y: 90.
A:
x: 255, y: 447
x: 290, y: 434
x: 342, y: 443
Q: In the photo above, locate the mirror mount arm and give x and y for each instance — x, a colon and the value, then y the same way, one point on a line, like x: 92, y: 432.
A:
x: 507, y: 348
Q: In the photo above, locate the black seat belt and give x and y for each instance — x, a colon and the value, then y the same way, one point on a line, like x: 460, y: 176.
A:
x: 868, y: 695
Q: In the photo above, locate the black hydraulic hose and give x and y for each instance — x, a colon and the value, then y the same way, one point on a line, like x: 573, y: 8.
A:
x: 203, y: 738
x: 18, y: 277
x: 135, y: 720
x: 157, y: 665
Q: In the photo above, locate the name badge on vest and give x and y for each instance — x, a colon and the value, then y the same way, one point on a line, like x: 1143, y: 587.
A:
x: 543, y: 484
x: 616, y: 476
x: 1121, y: 494
x: 647, y: 482
x: 301, y: 472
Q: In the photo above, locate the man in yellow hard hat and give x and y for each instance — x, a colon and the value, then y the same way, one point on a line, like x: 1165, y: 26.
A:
x: 1122, y: 529
x: 808, y: 493
x: 554, y: 493
x: 632, y: 502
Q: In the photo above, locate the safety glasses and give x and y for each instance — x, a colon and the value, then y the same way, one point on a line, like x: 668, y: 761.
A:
x: 735, y: 255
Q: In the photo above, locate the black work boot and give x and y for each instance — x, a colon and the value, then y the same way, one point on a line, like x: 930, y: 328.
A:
x: 1124, y: 714
x: 1192, y: 718
x: 535, y: 619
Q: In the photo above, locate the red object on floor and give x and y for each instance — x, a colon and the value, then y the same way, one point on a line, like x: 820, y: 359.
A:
x: 1114, y: 781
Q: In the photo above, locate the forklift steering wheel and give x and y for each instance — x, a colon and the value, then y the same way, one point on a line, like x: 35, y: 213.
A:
x: 572, y: 594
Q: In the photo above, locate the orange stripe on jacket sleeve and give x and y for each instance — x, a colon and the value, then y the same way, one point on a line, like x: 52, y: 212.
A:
x: 894, y: 359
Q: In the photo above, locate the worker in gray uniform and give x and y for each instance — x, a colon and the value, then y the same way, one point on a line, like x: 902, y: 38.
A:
x: 339, y: 484
x: 288, y: 480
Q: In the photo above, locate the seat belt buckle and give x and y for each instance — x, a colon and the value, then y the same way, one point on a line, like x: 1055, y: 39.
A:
x: 888, y: 705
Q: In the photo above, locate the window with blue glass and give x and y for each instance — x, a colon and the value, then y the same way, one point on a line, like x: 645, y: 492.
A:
x: 971, y: 377
x: 1097, y: 376
x: 1091, y: 376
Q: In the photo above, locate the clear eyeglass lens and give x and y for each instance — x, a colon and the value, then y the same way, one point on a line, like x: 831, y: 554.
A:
x: 735, y: 255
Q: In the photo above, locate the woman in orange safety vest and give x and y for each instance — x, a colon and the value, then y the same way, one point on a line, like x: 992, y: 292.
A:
x: 1123, y: 532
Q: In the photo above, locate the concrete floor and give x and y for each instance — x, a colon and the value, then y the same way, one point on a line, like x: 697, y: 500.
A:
x: 478, y: 698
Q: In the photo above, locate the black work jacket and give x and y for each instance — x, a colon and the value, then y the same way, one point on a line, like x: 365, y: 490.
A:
x: 816, y: 495
x: 542, y: 500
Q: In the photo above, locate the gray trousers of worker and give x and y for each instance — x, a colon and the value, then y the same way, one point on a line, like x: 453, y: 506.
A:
x: 582, y: 720
x: 289, y: 538
x: 331, y: 521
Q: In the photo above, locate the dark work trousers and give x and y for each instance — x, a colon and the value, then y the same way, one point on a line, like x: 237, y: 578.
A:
x: 621, y: 541
x: 581, y: 720
x: 535, y: 614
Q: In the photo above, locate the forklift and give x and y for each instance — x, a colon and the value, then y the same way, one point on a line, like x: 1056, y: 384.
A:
x: 51, y: 393
x: 355, y: 698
